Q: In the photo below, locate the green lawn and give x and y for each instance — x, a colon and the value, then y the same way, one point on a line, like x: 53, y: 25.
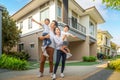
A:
x: 81, y: 63
x: 34, y: 65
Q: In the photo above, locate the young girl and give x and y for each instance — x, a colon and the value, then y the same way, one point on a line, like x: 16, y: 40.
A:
x: 60, y: 54
x: 45, y: 32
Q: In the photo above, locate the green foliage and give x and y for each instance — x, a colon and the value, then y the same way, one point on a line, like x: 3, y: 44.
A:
x: 89, y: 58
x: 19, y: 55
x: 12, y: 63
x: 115, y: 64
x: 10, y: 32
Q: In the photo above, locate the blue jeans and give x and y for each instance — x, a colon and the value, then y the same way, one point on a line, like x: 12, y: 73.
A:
x: 60, y: 54
x: 46, y: 41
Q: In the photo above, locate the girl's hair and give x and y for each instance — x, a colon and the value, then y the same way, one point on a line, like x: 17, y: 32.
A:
x: 47, y: 19
x: 55, y: 29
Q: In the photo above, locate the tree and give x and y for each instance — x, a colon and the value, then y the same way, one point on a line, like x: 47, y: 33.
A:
x: 115, y: 4
x: 113, y: 45
x: 10, y: 32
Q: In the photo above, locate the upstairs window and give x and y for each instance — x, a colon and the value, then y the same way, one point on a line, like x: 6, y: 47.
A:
x: 29, y: 22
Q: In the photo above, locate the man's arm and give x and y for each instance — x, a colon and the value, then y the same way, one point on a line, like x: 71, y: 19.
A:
x: 43, y: 37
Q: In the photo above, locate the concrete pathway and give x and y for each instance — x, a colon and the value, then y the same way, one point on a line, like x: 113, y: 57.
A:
x: 94, y: 72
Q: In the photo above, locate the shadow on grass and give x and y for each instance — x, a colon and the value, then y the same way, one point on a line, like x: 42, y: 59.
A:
x: 34, y: 65
x: 101, y: 75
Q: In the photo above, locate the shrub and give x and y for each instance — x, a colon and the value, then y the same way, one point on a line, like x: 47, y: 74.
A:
x: 20, y: 55
x: 115, y: 64
x: 12, y: 63
x: 89, y: 58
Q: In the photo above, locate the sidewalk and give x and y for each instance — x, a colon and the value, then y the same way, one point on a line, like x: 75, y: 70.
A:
x: 94, y: 72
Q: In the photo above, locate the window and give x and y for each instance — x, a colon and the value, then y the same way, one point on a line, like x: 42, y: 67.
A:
x: 21, y: 47
x: 91, y: 29
x: 29, y: 22
x: 44, y: 14
x: 21, y: 25
x: 59, y: 12
x: 32, y: 45
x: 74, y: 22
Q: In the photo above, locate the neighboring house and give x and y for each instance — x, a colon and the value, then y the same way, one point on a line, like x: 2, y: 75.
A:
x: 103, y: 42
x: 113, y: 49
x: 118, y: 50
x: 83, y: 24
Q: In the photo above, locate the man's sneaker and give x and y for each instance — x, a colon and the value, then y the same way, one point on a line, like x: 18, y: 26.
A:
x: 51, y: 75
x: 54, y: 76
x: 43, y: 49
x: 40, y: 74
x: 68, y: 55
x: 62, y: 75
x: 45, y: 54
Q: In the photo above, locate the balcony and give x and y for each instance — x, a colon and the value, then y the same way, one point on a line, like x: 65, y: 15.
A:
x: 77, y: 26
x: 76, y: 29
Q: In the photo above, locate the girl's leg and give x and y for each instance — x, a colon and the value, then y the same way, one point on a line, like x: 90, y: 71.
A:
x: 57, y: 60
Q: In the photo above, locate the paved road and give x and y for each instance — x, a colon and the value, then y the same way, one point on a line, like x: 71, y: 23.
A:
x: 94, y: 72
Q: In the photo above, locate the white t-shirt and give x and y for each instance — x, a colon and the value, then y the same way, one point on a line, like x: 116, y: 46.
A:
x: 46, y: 28
x: 65, y: 33
x: 51, y: 33
x: 58, y: 41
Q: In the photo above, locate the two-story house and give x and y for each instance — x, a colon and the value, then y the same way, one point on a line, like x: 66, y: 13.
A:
x: 83, y: 24
x: 103, y: 42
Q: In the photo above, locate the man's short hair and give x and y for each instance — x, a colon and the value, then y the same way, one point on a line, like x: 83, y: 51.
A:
x: 56, y: 23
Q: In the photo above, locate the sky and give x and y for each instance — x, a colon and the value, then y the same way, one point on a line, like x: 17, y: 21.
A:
x: 111, y: 16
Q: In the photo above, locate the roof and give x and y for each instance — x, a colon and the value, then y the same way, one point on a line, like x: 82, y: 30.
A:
x: 92, y: 11
x: 105, y: 32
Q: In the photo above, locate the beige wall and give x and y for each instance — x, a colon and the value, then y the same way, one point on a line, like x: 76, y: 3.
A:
x: 93, y: 49
x: 79, y: 49
x: 32, y: 39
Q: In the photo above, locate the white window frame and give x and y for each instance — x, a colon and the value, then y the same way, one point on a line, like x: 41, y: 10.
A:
x: 30, y: 22
x: 22, y: 49
x: 42, y: 10
x: 31, y: 45
x: 91, y: 29
x: 59, y: 16
x: 21, y: 25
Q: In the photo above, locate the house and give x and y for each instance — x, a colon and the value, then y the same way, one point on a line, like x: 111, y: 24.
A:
x: 83, y: 23
x: 104, y: 42
x: 118, y: 50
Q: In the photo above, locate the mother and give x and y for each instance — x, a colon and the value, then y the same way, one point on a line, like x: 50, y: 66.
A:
x: 60, y: 54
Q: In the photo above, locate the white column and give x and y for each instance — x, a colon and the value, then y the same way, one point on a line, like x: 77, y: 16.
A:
x: 1, y: 8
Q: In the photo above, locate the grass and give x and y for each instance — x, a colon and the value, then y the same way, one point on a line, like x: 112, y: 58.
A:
x: 34, y: 65
x: 81, y: 63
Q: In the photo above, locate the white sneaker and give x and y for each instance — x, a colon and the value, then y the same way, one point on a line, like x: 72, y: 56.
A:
x: 62, y: 75
x: 68, y: 55
x: 43, y: 49
x: 40, y: 74
x: 51, y: 75
x: 54, y: 76
x: 45, y: 54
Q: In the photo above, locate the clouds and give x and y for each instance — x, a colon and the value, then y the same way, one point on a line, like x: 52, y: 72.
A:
x: 97, y: 3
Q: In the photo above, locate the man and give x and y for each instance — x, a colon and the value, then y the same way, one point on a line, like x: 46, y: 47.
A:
x: 49, y: 49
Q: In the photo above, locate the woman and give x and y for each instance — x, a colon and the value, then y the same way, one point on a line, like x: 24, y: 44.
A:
x: 60, y: 54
